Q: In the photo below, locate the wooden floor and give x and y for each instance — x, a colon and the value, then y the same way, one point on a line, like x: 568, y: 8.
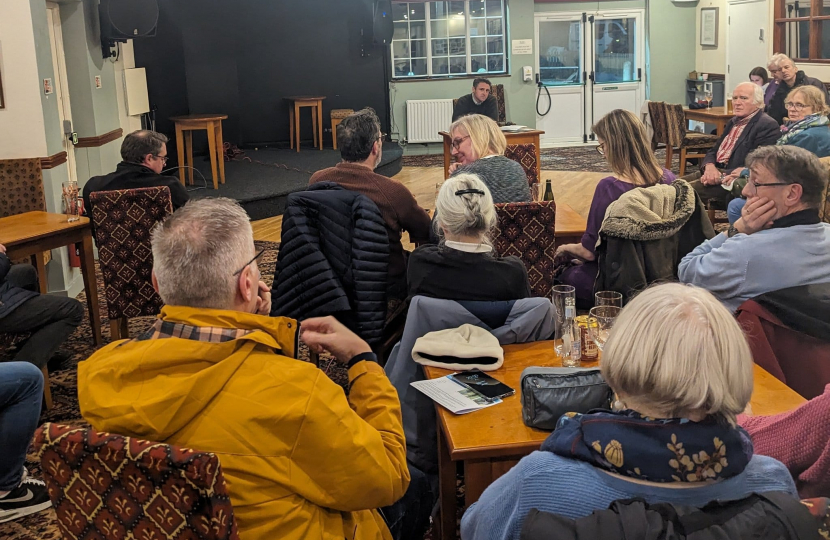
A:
x: 576, y: 189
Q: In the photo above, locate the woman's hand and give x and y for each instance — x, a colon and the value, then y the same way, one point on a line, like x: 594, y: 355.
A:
x: 568, y: 252
x: 453, y: 167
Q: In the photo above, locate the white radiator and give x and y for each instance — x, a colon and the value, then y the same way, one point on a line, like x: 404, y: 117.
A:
x: 425, y: 118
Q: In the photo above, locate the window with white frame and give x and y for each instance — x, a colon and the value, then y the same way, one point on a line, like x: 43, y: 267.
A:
x: 442, y: 39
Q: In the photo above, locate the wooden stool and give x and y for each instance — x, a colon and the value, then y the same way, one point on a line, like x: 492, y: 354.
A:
x: 294, y: 106
x: 47, y: 391
x: 337, y: 116
x: 212, y: 123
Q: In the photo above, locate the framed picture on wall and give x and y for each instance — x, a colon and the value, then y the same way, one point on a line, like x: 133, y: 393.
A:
x: 709, y: 27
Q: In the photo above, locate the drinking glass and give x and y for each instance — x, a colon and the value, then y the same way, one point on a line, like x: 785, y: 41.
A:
x: 536, y: 192
x: 708, y: 97
x: 559, y: 296
x: 608, y: 298
x: 71, y: 205
x: 600, y: 321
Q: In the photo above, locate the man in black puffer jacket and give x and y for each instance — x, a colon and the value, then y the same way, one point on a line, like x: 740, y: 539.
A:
x: 791, y: 77
x: 50, y: 319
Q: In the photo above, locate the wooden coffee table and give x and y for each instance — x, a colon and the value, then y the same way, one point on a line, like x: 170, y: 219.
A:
x: 715, y: 115
x: 35, y: 232
x: 491, y: 441
x: 570, y: 226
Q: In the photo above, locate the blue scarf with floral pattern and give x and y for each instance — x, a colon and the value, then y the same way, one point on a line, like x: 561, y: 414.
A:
x: 671, y: 450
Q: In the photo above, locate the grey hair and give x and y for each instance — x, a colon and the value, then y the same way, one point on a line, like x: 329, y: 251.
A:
x: 675, y: 349
x: 470, y: 214
x: 196, y: 251
x: 776, y: 59
x: 794, y: 165
x: 757, y: 93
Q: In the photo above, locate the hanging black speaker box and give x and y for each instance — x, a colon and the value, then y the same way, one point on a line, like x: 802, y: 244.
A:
x: 382, y: 28
x: 126, y: 19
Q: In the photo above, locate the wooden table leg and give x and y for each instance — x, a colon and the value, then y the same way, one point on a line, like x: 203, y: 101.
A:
x: 313, y: 126
x: 446, y: 490
x: 447, y: 142
x: 90, y: 285
x: 180, y: 149
x: 291, y: 124
x: 719, y: 127
x: 297, y: 124
x: 477, y: 476
x: 320, y: 122
x: 220, y: 149
x: 212, y: 153
x: 40, y: 268
x: 188, y: 143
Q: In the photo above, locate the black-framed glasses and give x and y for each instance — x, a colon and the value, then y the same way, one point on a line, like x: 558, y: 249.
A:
x: 381, y: 136
x: 456, y: 143
x: 256, y: 257
x: 601, y: 149
x: 162, y: 158
x: 754, y: 185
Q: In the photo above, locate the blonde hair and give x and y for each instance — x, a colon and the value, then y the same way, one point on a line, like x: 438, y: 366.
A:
x: 813, y: 98
x: 470, y: 214
x: 627, y: 148
x: 484, y: 132
x: 677, y: 350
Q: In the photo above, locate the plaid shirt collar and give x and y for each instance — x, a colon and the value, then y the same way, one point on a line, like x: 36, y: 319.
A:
x: 731, y: 139
x: 210, y: 334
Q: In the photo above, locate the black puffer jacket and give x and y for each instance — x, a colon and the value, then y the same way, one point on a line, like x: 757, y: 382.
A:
x: 645, y: 234
x: 333, y: 260
x: 10, y: 295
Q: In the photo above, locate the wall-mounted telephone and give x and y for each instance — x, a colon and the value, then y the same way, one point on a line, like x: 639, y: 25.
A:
x: 527, y: 74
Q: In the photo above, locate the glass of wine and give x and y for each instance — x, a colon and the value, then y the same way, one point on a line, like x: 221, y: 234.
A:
x: 608, y: 298
x: 708, y: 97
x: 600, y: 321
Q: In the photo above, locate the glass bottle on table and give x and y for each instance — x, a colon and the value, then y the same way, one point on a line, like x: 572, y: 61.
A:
x: 548, y: 196
x: 571, y: 338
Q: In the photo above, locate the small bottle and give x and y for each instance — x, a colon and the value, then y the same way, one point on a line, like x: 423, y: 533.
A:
x: 548, y: 196
x: 571, y: 339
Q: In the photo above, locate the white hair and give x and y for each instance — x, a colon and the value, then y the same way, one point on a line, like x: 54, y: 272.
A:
x: 776, y: 59
x: 757, y: 93
x: 470, y: 214
x: 677, y: 350
x: 197, y: 250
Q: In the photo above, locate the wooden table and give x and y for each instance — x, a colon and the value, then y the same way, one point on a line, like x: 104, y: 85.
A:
x: 491, y: 441
x: 185, y: 126
x: 513, y: 137
x: 294, y: 106
x: 715, y: 115
x: 570, y: 226
x: 35, y: 232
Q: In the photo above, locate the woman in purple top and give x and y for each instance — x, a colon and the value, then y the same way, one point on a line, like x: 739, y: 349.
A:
x: 623, y: 142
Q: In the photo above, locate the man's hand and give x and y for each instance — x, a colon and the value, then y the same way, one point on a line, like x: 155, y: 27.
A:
x: 711, y: 175
x: 263, y: 301
x: 731, y: 177
x: 453, y: 167
x: 2, y: 248
x: 328, y: 334
x: 757, y: 214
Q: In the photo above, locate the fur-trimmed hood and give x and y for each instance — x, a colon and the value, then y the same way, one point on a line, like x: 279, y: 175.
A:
x: 650, y: 213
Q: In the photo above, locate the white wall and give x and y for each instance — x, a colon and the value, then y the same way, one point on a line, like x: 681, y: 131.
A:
x: 22, y: 128
x: 710, y: 59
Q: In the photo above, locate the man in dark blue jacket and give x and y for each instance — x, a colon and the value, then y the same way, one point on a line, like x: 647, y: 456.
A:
x: 49, y: 318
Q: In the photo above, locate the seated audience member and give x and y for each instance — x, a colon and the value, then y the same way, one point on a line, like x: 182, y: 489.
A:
x: 143, y: 155
x: 760, y: 77
x: 807, y: 128
x: 674, y: 440
x: 361, y: 145
x: 478, y: 147
x: 21, y: 394
x: 775, y: 73
x: 217, y: 374
x: 748, y: 129
x: 480, y: 101
x: 791, y: 77
x: 625, y: 145
x: 779, y: 240
x: 463, y: 266
x: 49, y: 318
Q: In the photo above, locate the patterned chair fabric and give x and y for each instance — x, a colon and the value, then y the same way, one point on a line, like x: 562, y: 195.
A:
x: 22, y: 181
x: 657, y: 111
x: 824, y: 209
x: 108, y: 486
x: 123, y: 221
x: 498, y: 92
x: 341, y: 113
x: 526, y: 230
x: 525, y: 155
x: 677, y: 134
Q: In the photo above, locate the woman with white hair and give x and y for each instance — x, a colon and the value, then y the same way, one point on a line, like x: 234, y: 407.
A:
x: 463, y: 265
x: 682, y: 371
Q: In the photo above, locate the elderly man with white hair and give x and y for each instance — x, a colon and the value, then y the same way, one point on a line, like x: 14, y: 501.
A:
x: 789, y: 77
x: 748, y: 129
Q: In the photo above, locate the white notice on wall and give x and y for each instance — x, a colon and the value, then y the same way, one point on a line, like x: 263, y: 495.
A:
x: 522, y: 46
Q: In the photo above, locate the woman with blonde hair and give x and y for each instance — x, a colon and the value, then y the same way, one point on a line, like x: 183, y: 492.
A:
x: 625, y: 145
x: 478, y: 148
x: 463, y: 266
x: 682, y: 371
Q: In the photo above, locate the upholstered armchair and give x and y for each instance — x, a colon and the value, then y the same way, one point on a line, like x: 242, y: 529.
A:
x: 690, y: 144
x: 525, y: 155
x: 526, y: 230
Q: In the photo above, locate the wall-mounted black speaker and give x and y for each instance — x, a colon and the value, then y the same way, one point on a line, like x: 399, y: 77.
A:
x: 126, y: 19
x: 382, y: 28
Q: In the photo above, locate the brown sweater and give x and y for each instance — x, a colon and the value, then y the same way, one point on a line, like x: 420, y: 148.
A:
x: 398, y: 207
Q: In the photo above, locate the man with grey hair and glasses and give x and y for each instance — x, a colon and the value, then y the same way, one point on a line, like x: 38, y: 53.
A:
x: 215, y: 373
x: 778, y: 242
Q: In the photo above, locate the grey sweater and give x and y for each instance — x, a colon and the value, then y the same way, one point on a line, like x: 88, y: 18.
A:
x: 504, y: 177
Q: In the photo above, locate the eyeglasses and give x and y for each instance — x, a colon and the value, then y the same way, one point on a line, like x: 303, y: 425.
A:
x: 456, y: 143
x: 381, y: 136
x: 794, y: 106
x: 162, y: 158
x: 257, y: 256
x: 753, y: 185
x: 601, y: 149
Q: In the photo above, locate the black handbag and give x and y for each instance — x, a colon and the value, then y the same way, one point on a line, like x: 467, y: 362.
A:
x: 548, y: 393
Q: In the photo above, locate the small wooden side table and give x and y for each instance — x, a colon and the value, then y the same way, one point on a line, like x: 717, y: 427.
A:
x: 295, y: 103
x: 185, y: 126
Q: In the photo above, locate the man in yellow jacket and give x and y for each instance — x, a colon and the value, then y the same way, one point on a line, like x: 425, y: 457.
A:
x: 301, y: 459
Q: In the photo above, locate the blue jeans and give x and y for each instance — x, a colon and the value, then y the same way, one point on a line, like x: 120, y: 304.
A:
x: 733, y: 210
x: 21, y: 394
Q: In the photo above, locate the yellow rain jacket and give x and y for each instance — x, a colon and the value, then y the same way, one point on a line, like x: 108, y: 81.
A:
x: 301, y: 460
